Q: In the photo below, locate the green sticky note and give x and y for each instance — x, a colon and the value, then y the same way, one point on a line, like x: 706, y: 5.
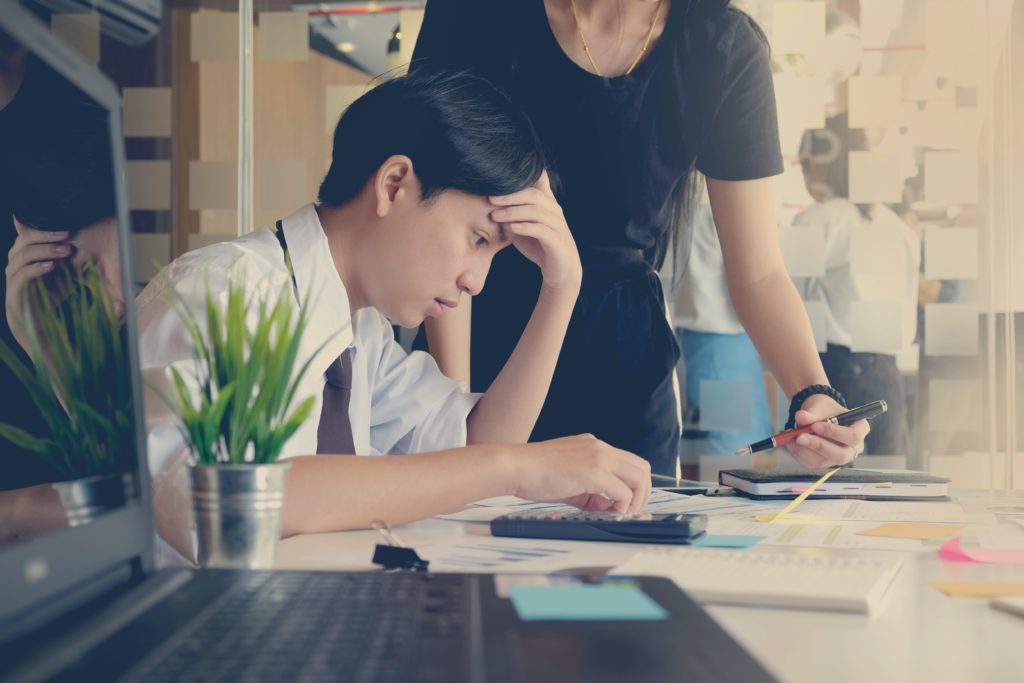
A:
x: 726, y: 541
x: 585, y: 603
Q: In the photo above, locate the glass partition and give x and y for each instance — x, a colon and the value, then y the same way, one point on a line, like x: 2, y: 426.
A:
x: 902, y: 111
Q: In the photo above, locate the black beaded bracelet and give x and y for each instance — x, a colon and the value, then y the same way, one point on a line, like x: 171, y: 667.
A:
x: 801, y: 396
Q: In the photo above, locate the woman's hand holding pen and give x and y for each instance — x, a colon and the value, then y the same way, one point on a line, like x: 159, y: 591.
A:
x: 829, y: 444
x: 540, y: 232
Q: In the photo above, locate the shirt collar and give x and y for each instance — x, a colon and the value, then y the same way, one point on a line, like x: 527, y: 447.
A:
x: 316, y: 276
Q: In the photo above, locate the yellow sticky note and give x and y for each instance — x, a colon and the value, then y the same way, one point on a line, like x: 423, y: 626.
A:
x: 915, y: 530
x: 979, y: 589
x: 777, y: 516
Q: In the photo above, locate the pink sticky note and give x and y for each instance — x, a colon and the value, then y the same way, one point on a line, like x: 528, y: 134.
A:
x: 953, y: 552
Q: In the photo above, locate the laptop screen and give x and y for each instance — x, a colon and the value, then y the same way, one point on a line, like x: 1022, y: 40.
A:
x: 71, y: 490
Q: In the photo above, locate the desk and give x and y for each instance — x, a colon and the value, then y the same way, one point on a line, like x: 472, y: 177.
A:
x: 920, y: 635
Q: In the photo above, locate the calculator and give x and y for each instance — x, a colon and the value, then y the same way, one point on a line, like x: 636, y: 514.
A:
x: 677, y: 528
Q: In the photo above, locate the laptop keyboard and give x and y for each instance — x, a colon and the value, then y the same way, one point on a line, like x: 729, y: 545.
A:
x: 318, y: 626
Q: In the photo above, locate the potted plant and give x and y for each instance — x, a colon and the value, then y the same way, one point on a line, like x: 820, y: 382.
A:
x: 236, y: 411
x: 81, y: 386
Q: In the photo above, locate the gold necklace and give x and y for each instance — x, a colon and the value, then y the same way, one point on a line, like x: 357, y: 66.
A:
x: 643, y: 48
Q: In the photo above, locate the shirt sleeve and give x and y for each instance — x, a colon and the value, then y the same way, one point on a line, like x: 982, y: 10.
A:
x: 163, y: 343
x: 740, y: 126
x: 415, y: 408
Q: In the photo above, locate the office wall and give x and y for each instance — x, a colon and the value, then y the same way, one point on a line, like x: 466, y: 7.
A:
x: 932, y: 85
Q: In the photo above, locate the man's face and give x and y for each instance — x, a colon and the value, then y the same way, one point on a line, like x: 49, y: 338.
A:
x: 430, y: 253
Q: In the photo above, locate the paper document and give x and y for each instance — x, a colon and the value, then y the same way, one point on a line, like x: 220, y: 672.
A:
x: 487, y: 554
x: 491, y: 508
x: 920, y: 531
x: 510, y: 501
x: 712, y: 506
x: 1006, y: 536
x: 479, y: 513
x: 813, y: 534
x: 894, y: 511
x: 661, y: 502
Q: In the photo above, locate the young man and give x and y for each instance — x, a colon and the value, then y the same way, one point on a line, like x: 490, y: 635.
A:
x: 431, y: 176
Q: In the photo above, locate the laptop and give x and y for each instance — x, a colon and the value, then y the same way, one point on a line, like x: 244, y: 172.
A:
x: 82, y: 599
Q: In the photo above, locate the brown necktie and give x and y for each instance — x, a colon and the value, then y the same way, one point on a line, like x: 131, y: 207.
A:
x: 334, y: 435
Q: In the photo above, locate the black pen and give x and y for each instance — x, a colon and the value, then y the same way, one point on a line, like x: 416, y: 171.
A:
x: 864, y: 412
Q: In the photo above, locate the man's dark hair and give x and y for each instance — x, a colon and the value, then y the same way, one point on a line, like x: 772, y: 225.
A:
x: 460, y: 131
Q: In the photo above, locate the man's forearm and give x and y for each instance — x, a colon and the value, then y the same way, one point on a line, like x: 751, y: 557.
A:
x: 508, y: 411
x: 340, y: 492
x: 774, y: 316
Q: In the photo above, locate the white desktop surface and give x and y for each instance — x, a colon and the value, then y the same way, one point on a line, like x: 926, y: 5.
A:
x: 919, y: 635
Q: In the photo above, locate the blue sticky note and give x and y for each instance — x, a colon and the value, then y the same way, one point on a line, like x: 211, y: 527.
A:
x: 727, y: 541
x: 581, y: 602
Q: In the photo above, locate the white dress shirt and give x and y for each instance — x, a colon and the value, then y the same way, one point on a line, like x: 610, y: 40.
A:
x: 893, y: 243
x: 700, y: 300
x: 400, y: 403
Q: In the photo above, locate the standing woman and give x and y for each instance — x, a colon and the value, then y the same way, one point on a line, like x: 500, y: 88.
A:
x: 631, y: 98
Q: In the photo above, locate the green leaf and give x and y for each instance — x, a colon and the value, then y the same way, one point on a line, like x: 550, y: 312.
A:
x: 22, y: 439
x: 76, y: 380
x: 245, y: 369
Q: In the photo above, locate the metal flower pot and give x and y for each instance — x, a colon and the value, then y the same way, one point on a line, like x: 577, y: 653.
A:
x: 86, y: 499
x: 238, y: 513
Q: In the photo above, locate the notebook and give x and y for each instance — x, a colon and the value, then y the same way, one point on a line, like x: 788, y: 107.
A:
x: 852, y: 482
x: 82, y: 600
x: 767, y: 579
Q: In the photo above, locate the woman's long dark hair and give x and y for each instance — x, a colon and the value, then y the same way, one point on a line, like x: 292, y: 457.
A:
x: 679, y: 237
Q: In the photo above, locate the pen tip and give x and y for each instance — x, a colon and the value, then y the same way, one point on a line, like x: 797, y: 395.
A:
x: 743, y: 451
